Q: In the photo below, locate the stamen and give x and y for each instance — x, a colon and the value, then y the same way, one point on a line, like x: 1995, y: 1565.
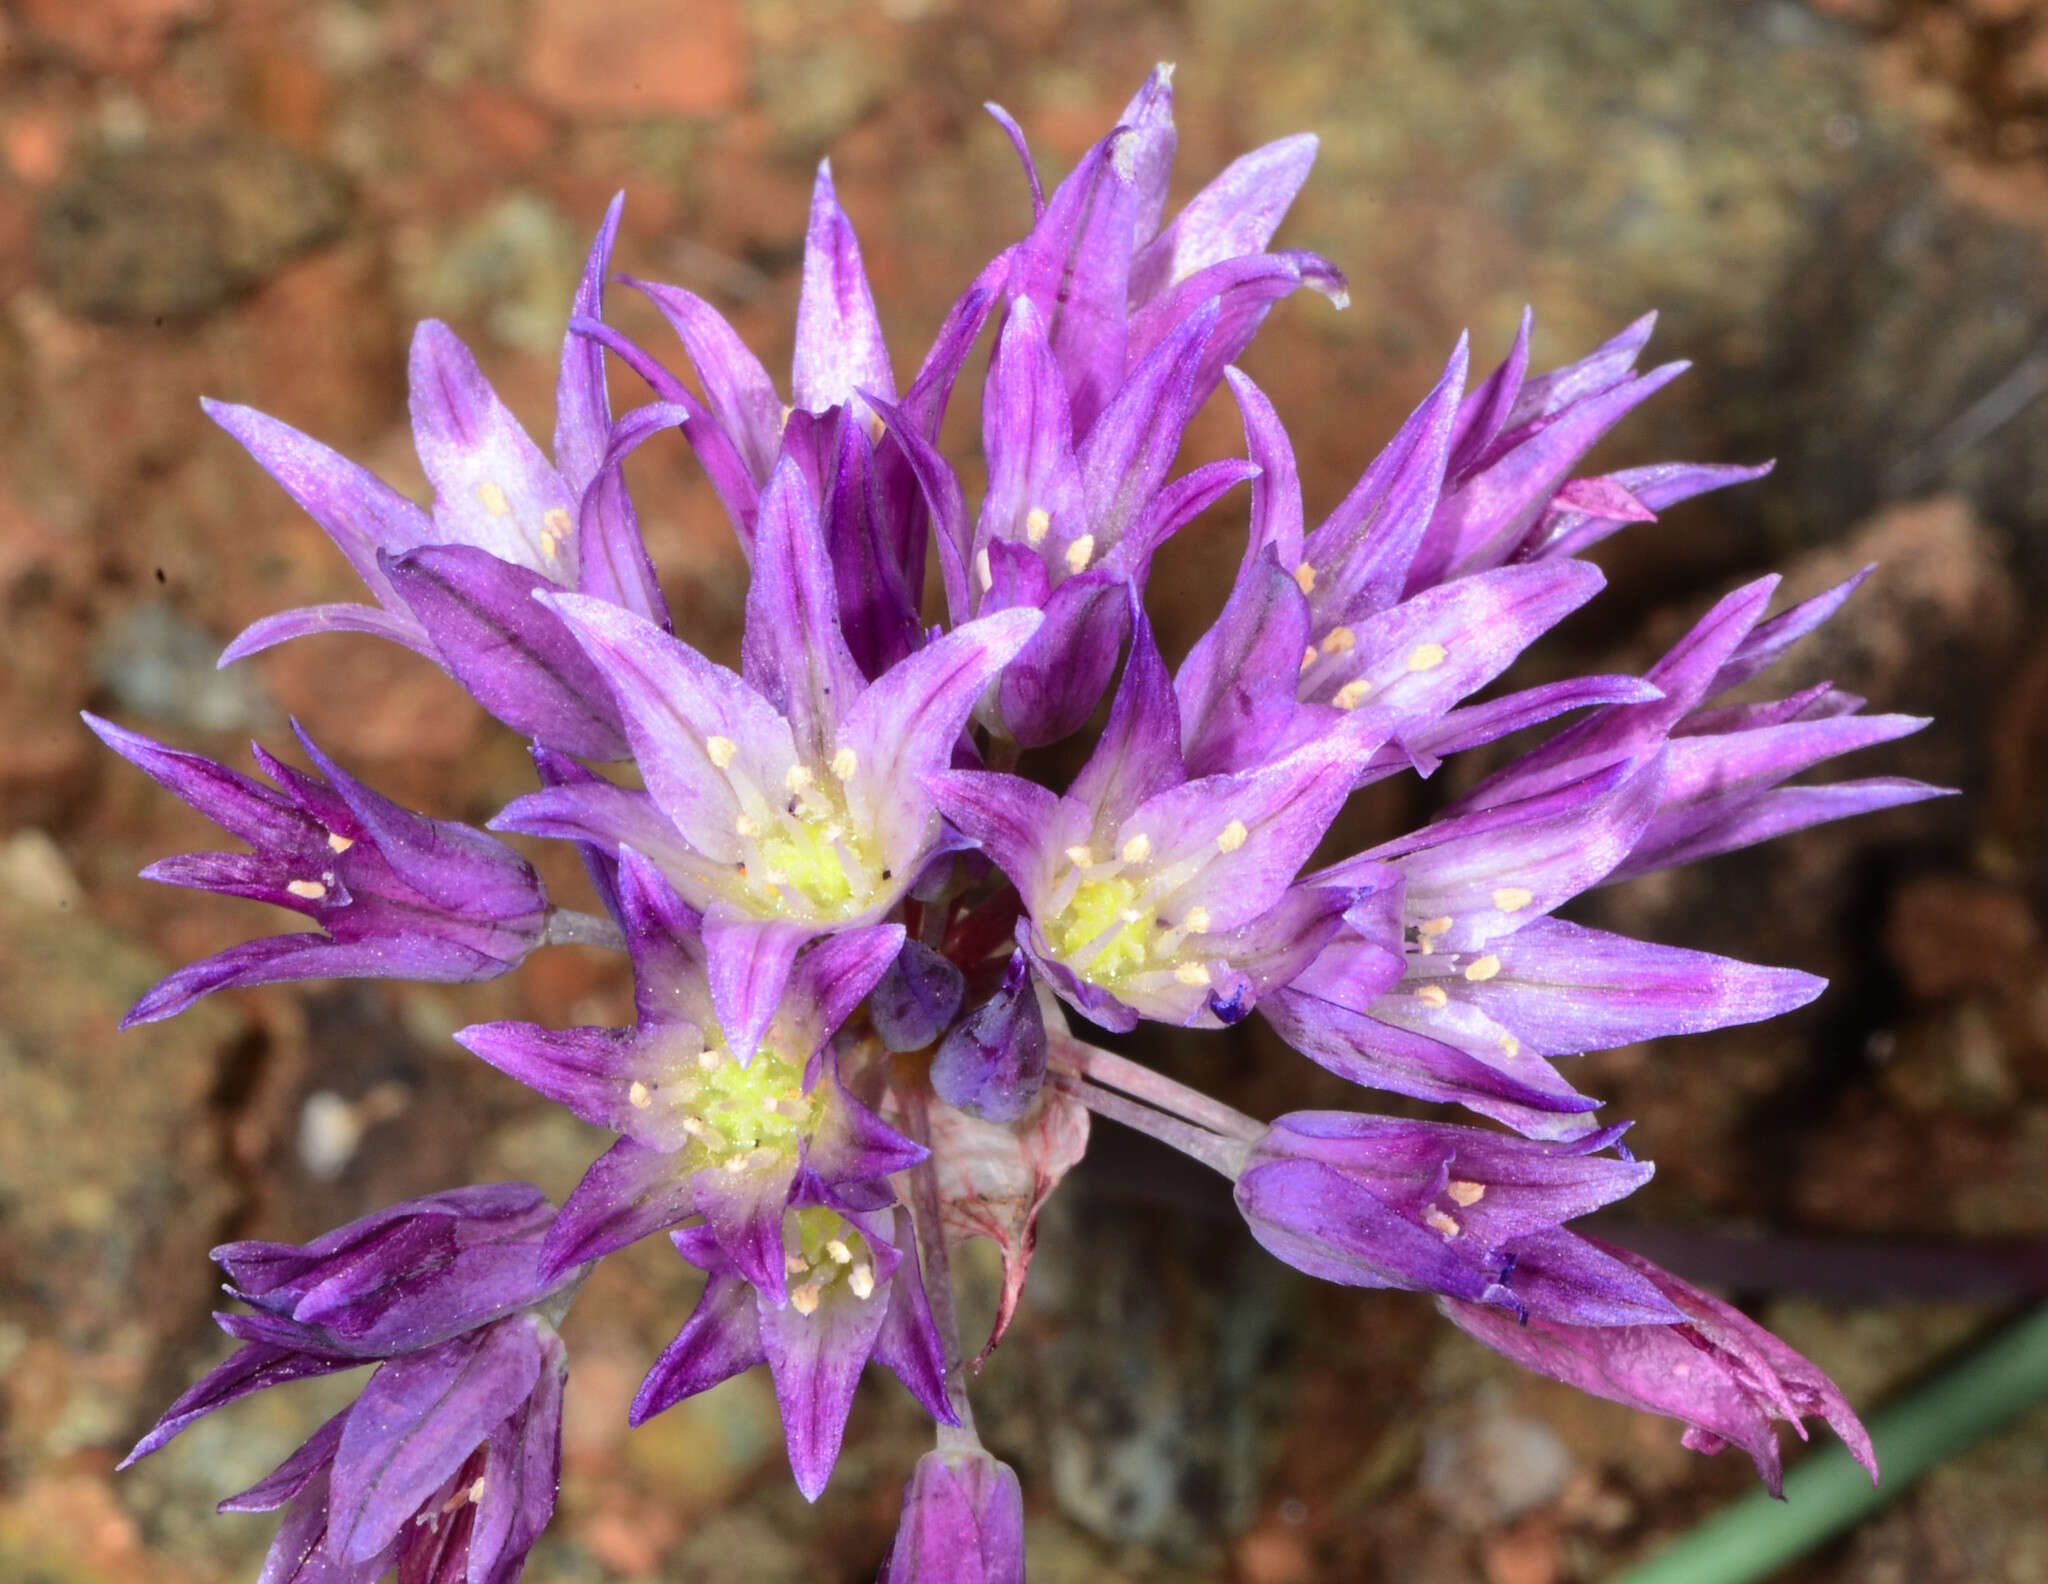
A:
x: 747, y: 827
x: 639, y: 1096
x: 1433, y: 996
x: 1194, y: 975
x: 862, y: 1280
x: 1512, y: 899
x: 1510, y: 1046
x: 1197, y: 921
x: 1426, y: 657
x: 1437, y: 1221
x: 1080, y: 553
x: 983, y: 571
x: 1435, y: 926
x: 845, y: 764
x: 1309, y: 656
x: 1484, y: 969
x: 841, y: 1254
x: 493, y: 499
x: 1037, y: 524
x: 311, y: 890
x: 1137, y: 849
x: 1305, y: 578
x: 557, y: 520
x: 1232, y: 836
x: 1082, y: 857
x: 476, y: 1491
x: 1339, y: 640
x: 804, y: 1299
x: 338, y: 843
x: 710, y: 1059
x: 794, y: 1264
x: 798, y: 777
x: 720, y: 750
x: 1352, y: 694
x: 1465, y: 1193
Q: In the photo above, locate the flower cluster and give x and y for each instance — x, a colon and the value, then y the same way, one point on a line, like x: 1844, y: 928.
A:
x: 863, y: 943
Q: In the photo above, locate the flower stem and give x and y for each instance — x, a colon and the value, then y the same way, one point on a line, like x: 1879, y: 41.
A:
x: 1156, y: 1089
x: 1827, y: 1493
x: 1225, y: 1155
x: 567, y: 927
x: 927, y: 1216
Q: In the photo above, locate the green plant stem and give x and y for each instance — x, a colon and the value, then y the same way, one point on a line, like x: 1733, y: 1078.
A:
x: 1828, y: 1492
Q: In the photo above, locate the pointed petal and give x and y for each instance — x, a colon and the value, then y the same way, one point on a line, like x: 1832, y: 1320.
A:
x: 740, y: 393
x: 1276, y: 494
x: 294, y: 1474
x: 582, y: 1068
x: 1125, y: 456
x: 1775, y: 813
x: 1052, y: 686
x: 612, y: 561
x: 1075, y: 269
x: 749, y: 961
x: 1236, y: 689
x: 1149, y: 156
x: 1138, y: 754
x: 310, y: 620
x: 250, y: 1368
x: 721, y: 1338
x: 839, y: 346
x: 583, y: 409
x: 359, y: 511
x: 794, y: 655
x: 1768, y: 640
x: 1016, y: 822
x: 235, y: 802
x: 744, y: 1211
x: 629, y: 1192
x: 1015, y: 134
x: 1236, y: 214
x: 1027, y: 434
x: 1362, y: 551
x: 276, y: 958
x: 817, y: 1360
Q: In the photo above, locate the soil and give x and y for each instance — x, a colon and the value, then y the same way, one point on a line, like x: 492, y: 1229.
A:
x: 1841, y: 209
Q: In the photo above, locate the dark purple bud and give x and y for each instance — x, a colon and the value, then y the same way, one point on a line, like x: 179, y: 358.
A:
x: 991, y: 1065
x: 963, y: 1523
x: 918, y: 996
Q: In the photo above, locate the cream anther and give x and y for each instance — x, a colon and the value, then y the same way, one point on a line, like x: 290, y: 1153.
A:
x: 1339, y: 640
x: 1435, y: 926
x: 476, y: 1491
x: 720, y: 750
x: 338, y: 843
x: 1080, y: 553
x: 1232, y: 836
x: 1485, y: 968
x: 862, y: 1280
x: 1305, y: 578
x: 804, y: 1299
x: 639, y: 1096
x: 1193, y: 974
x: 1433, y: 996
x: 845, y: 764
x: 840, y: 1253
x: 798, y: 777
x: 1510, y: 1046
x: 1437, y: 1221
x: 1426, y: 657
x: 1352, y: 694
x: 311, y: 890
x: 983, y: 572
x: 1309, y: 656
x: 1465, y: 1193
x: 1137, y: 849
x: 1197, y: 921
x: 794, y: 1264
x: 747, y: 827
x: 1081, y: 857
x: 1512, y: 899
x: 709, y: 1060
x: 493, y: 499
x: 1037, y: 524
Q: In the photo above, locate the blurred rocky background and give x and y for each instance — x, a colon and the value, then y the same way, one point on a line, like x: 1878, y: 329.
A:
x: 1841, y: 208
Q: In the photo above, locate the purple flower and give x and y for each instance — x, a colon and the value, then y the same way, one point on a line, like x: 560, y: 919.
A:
x: 992, y: 1063
x: 855, y: 1294
x: 1450, y: 979
x: 722, y: 1094
x: 963, y: 1523
x: 790, y: 800
x: 398, y: 895
x: 446, y: 1466
x: 1152, y: 895
x: 456, y: 584
x: 1380, y: 1202
x: 1719, y: 1371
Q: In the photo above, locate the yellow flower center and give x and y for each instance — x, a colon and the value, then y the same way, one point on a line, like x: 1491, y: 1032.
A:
x: 1099, y: 908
